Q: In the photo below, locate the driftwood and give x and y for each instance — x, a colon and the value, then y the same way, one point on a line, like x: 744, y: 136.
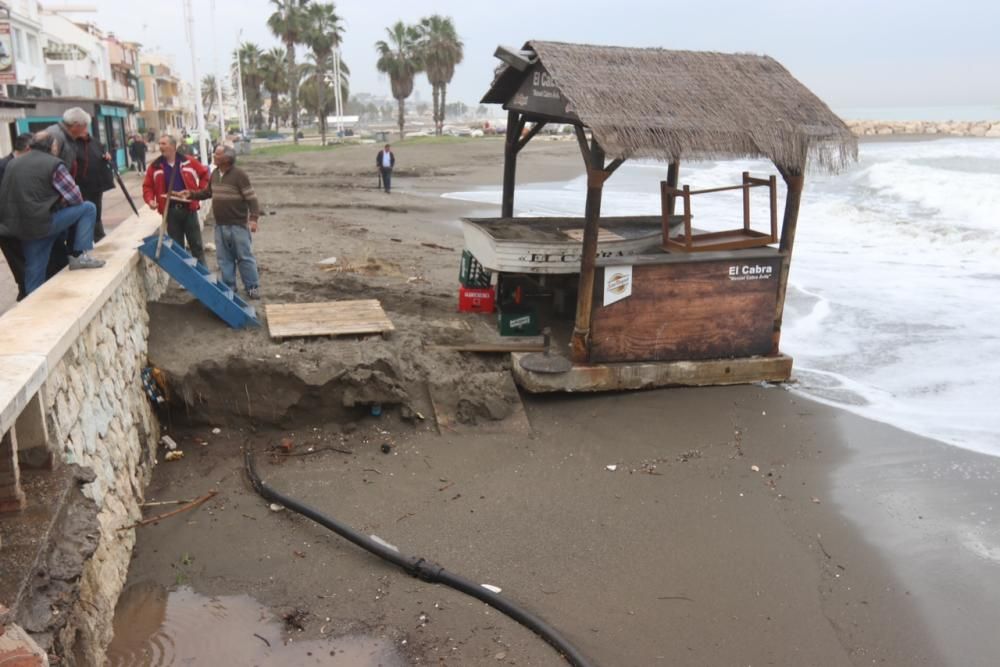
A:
x: 191, y: 505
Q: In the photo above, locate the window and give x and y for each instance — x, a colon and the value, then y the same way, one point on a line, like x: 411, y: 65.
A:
x: 32, y: 49
x: 18, y: 49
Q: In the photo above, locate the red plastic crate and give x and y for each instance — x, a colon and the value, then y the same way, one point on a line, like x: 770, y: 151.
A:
x: 476, y: 299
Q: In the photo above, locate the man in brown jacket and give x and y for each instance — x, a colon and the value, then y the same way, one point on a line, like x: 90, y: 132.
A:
x: 236, y: 212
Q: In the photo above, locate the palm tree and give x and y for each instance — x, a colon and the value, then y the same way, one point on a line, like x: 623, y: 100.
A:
x: 274, y: 76
x: 400, y: 59
x: 209, y: 88
x: 315, y: 91
x: 441, y: 50
x: 249, y: 56
x: 323, y: 36
x: 288, y: 25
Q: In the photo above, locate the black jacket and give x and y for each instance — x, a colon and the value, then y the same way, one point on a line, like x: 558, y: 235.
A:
x: 378, y: 159
x: 3, y: 165
x: 93, y: 173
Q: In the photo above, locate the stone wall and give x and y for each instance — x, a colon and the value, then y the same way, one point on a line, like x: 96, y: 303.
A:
x: 868, y: 128
x: 97, y: 410
x: 72, y: 399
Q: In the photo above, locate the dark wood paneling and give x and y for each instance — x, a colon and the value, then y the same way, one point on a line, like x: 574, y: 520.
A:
x: 704, y: 310
x: 539, y: 95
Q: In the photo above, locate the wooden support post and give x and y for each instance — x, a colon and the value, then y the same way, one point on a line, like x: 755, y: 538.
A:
x: 788, y: 225
x: 581, y: 140
x: 535, y: 128
x: 510, y: 163
x: 596, y: 175
x: 673, y: 174
x: 772, y: 187
x: 746, y: 201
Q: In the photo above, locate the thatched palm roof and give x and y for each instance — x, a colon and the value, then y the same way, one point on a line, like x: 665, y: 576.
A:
x: 669, y: 105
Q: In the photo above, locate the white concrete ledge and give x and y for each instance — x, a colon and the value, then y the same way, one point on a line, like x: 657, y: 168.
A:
x: 37, y: 332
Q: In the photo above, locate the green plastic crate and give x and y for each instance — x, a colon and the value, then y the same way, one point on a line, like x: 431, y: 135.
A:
x: 471, y: 273
x: 517, y: 320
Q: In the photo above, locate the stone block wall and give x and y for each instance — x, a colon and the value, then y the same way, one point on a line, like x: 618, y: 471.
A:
x: 98, y: 417
x: 869, y: 128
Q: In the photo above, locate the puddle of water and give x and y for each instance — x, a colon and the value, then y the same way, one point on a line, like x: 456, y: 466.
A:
x: 154, y: 628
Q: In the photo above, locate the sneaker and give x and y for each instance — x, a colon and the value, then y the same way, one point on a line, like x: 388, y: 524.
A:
x: 253, y: 293
x: 85, y: 261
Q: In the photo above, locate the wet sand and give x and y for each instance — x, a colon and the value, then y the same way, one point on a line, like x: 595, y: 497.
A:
x: 741, y: 525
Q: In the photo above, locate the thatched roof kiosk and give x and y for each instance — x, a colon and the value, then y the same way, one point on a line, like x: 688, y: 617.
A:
x: 671, y: 106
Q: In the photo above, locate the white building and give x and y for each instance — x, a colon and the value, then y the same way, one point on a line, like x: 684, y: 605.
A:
x: 33, y: 79
x: 76, y: 56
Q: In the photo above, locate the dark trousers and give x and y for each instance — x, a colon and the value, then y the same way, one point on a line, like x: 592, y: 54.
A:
x: 14, y: 255
x: 97, y: 199
x: 140, y: 164
x: 386, y: 178
x: 183, y: 227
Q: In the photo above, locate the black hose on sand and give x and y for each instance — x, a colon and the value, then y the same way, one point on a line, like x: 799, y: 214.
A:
x: 419, y: 567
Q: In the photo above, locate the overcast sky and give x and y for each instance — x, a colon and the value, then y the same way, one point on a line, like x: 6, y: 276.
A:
x: 852, y: 53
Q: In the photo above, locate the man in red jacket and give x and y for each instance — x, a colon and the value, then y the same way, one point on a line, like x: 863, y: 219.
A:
x: 172, y: 173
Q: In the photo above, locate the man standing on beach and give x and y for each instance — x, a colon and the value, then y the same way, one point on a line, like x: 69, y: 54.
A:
x: 236, y: 212
x: 384, y: 162
x: 172, y: 173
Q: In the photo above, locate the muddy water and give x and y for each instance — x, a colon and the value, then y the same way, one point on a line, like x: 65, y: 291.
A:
x: 154, y: 628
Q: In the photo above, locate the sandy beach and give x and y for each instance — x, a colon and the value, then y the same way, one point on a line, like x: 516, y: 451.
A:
x: 740, y: 526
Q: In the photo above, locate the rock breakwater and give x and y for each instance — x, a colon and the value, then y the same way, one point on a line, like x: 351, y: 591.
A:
x: 955, y: 128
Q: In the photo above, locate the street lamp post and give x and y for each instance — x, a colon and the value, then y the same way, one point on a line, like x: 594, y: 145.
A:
x: 218, y: 80
x: 189, y: 24
x: 241, y: 102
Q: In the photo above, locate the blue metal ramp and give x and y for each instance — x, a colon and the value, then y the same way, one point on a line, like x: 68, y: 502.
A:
x: 200, y: 282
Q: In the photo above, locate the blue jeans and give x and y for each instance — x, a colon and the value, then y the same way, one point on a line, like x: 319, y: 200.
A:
x: 234, y: 247
x: 37, y: 251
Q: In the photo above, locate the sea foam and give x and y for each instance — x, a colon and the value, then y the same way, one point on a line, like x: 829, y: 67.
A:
x: 893, y: 308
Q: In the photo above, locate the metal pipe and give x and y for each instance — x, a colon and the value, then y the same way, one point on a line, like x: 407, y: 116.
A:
x: 419, y: 567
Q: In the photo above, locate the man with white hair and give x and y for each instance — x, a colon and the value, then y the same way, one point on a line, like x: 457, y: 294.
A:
x: 75, y: 124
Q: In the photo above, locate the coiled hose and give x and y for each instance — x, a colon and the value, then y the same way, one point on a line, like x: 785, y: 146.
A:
x: 420, y: 567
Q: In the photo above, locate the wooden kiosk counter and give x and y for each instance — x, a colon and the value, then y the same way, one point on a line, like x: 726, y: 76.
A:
x: 660, y: 302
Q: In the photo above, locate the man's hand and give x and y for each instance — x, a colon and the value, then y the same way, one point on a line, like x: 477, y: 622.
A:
x: 151, y: 204
x: 252, y: 226
x: 107, y: 157
x: 183, y: 194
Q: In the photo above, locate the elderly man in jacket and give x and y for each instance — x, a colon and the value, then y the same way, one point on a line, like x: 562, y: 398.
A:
x: 166, y: 177
x: 39, y: 201
x: 75, y: 124
x: 236, y: 212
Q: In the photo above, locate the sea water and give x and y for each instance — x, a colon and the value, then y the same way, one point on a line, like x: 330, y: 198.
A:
x: 893, y: 308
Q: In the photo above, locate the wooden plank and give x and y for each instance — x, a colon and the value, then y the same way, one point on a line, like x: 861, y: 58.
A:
x: 648, y: 375
x: 704, y: 310
x: 602, y: 235
x: 332, y: 318
x: 495, y: 347
x: 733, y: 239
